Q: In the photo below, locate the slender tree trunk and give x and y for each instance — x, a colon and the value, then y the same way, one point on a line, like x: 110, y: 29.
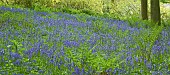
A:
x: 4, y: 1
x: 144, y: 9
x: 7, y: 1
x: 155, y: 11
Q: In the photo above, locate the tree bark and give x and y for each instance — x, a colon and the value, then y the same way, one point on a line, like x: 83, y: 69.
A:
x: 144, y: 9
x: 155, y: 11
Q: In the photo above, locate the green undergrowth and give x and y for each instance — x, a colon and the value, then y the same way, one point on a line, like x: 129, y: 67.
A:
x: 84, y: 56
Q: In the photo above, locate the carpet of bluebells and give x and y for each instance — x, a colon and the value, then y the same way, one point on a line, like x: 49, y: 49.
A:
x: 56, y: 43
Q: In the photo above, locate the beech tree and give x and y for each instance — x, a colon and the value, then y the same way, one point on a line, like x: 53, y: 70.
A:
x: 144, y: 9
x: 155, y: 11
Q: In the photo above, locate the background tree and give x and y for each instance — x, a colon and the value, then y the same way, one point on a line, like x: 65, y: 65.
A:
x: 28, y: 3
x: 155, y: 11
x: 144, y: 9
x: 6, y: 2
x: 112, y: 1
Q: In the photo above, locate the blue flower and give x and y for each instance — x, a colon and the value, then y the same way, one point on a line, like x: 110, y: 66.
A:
x: 145, y: 61
x: 77, y: 71
x: 17, y: 62
x: 30, y: 52
x: 109, y: 70
x: 49, y: 53
x: 41, y: 71
x: 149, y: 65
x: 168, y: 43
x: 67, y: 43
x: 18, y: 74
x: 74, y: 73
x: 136, y: 58
x: 164, y: 33
x: 62, y: 51
x: 2, y: 52
x: 82, y: 71
x: 93, y: 51
x: 156, y: 49
x: 71, y: 43
x: 15, y: 55
x: 168, y: 72
x: 157, y: 73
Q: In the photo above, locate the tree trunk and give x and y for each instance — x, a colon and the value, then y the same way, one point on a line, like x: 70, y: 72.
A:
x: 155, y: 11
x: 144, y: 9
x: 7, y: 1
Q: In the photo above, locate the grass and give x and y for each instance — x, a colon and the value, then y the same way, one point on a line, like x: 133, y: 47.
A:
x: 41, y: 43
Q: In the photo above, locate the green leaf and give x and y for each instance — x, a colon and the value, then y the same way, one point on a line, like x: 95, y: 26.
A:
x: 13, y: 50
x: 9, y: 46
x: 169, y: 67
x: 19, y: 45
x: 14, y: 41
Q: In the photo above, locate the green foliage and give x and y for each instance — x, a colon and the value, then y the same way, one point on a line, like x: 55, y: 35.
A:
x: 98, y: 60
x: 82, y: 4
x: 146, y: 40
x: 118, y: 9
x: 85, y: 58
x: 165, y: 1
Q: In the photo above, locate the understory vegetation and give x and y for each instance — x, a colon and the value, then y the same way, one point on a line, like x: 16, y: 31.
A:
x: 76, y: 41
